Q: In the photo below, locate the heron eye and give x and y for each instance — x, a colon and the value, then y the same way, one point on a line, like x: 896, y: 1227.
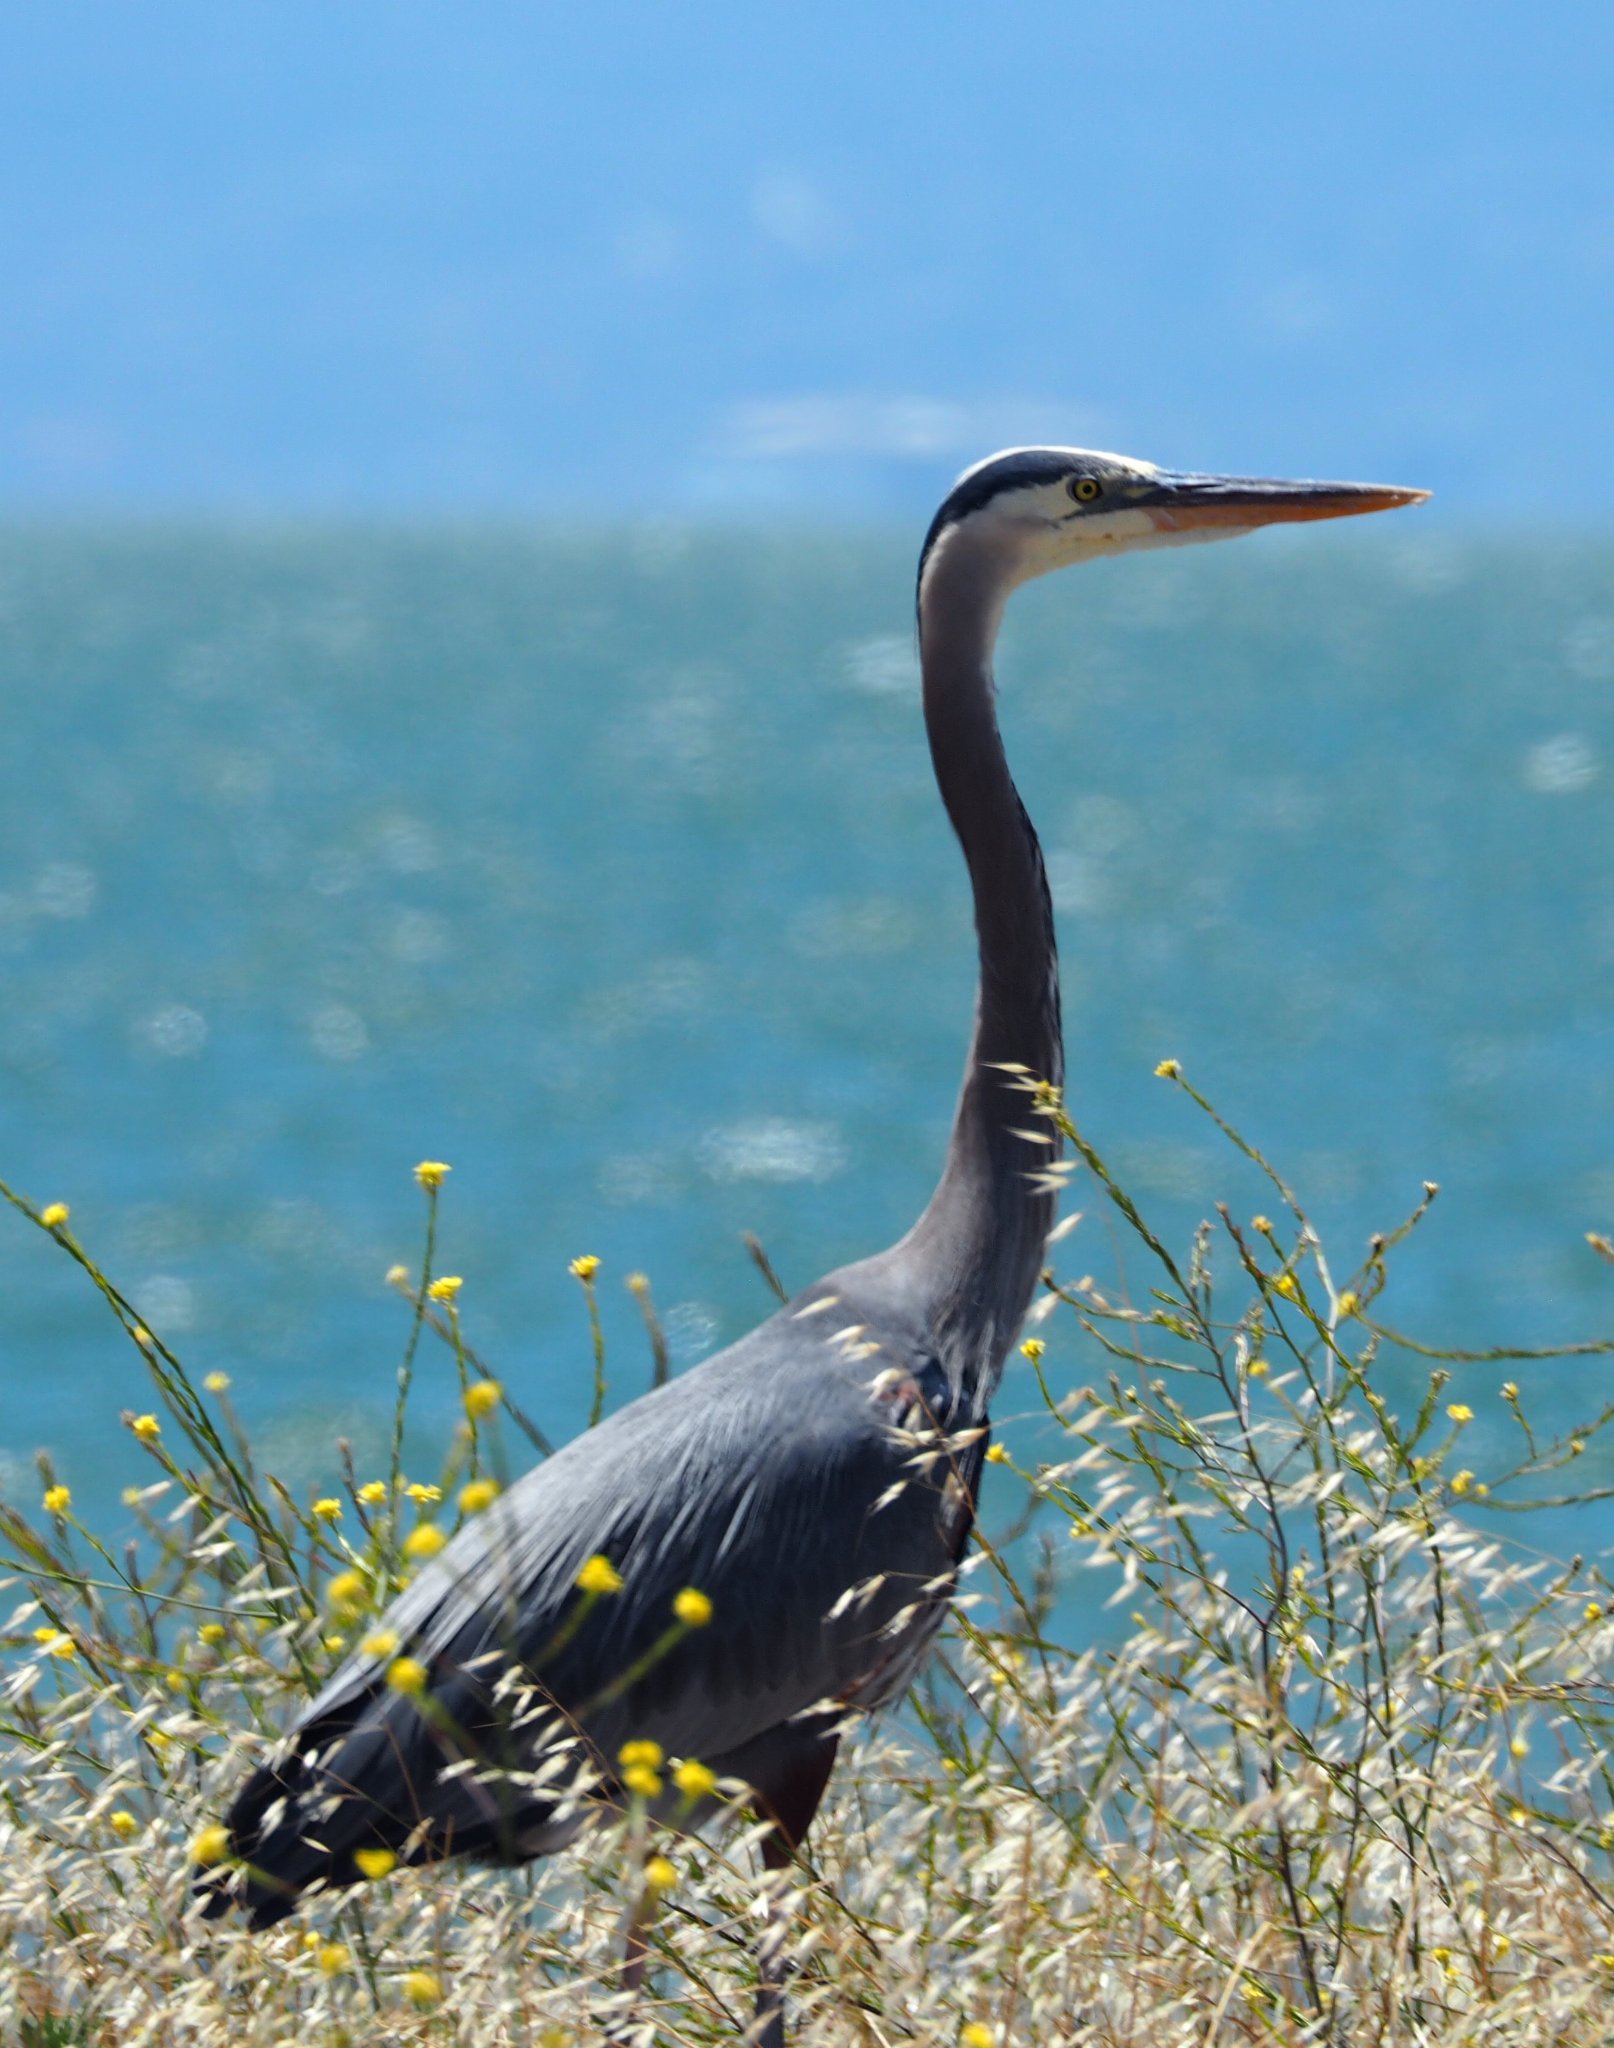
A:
x: 1085, y: 488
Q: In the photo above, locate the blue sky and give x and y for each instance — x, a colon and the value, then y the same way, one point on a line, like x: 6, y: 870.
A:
x: 632, y: 259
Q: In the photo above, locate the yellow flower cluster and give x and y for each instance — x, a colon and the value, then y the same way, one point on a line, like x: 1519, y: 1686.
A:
x: 424, y: 1541
x: 58, y: 1499
x: 695, y: 1780
x: 584, y: 1268
x: 1168, y: 1070
x: 407, y: 1675
x: 328, y: 1510
x: 482, y: 1397
x: 447, y: 1288
x: 599, y: 1575
x: 348, y: 1593
x: 54, y: 1215
x: 147, y: 1428
x: 422, y: 1494
x: 381, y: 1644
x: 997, y: 1455
x: 430, y: 1173
x: 479, y: 1494
x: 1460, y: 1412
x: 212, y: 1633
x: 211, y: 1846
x: 373, y: 1492
x: 692, y: 1608
x: 659, y: 1874
x: 375, y: 1862
x: 217, y: 1383
x: 422, y: 1989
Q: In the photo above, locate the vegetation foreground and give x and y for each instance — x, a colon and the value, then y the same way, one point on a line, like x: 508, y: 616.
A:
x: 1344, y: 1777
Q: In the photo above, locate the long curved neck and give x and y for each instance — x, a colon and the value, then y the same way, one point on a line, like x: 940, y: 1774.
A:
x: 979, y: 1246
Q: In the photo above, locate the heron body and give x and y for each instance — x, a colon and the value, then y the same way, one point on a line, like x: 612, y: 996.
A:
x: 816, y: 1481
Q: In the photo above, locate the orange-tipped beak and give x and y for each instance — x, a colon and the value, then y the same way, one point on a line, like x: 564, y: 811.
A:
x: 1243, y: 502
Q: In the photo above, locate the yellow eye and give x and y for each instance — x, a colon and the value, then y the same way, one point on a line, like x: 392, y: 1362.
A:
x: 1085, y: 488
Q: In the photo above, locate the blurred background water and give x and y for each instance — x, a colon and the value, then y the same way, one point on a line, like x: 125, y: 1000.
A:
x: 607, y: 866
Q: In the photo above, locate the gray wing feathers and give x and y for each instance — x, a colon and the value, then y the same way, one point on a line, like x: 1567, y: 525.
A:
x: 758, y: 1479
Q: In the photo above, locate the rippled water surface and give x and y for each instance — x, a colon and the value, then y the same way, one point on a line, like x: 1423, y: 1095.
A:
x: 609, y: 869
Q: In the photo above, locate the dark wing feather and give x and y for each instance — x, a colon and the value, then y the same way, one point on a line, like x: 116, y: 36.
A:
x: 771, y: 1479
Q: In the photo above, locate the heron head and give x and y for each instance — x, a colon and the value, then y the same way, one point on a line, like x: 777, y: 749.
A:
x: 1030, y: 510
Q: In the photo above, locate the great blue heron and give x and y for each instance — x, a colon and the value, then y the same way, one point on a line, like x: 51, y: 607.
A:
x: 816, y: 1481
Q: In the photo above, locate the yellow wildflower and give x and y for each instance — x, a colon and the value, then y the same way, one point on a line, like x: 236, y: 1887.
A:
x: 147, y: 1428
x: 175, y: 1681
x: 58, y: 1499
x: 333, y: 1958
x: 422, y: 1495
x: 446, y: 1288
x: 1257, y: 1369
x: 143, y: 1337
x: 1033, y: 1348
x: 375, y: 1862
x: 212, y: 1633
x: 373, y: 1492
x: 1510, y: 1390
x: 123, y: 1824
x: 694, y: 1780
x: 1500, y: 1944
x: 584, y: 1268
x: 1461, y: 1482
x: 997, y: 1455
x: 333, y: 1642
x: 397, y: 1276
x: 430, y: 1173
x: 407, y: 1675
x: 1263, y: 1224
x: 1288, y: 1286
x: 328, y: 1510
x: 692, y: 1608
x: 425, y: 1541
x: 644, y: 1751
x: 638, y: 1283
x: 1460, y: 1412
x: 54, y: 1215
x: 977, y: 2034
x: 211, y: 1846
x: 55, y: 1642
x: 659, y: 1874
x: 1593, y: 1611
x: 217, y: 1383
x: 482, y: 1397
x: 599, y: 1575
x: 1350, y: 1303
x: 1168, y: 1070
x: 422, y: 1989
x: 1518, y: 1746
x: 381, y: 1644
x: 643, y: 1782
x: 347, y: 1591
x: 479, y: 1494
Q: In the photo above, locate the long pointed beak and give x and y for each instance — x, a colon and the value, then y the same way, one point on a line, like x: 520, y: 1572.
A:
x: 1243, y: 502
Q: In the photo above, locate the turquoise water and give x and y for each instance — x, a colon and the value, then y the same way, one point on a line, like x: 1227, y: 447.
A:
x: 609, y: 869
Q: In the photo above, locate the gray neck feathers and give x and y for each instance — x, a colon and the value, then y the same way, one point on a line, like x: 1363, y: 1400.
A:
x: 977, y: 1250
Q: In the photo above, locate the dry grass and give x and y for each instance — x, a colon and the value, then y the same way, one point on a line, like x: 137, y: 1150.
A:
x: 1345, y: 1779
